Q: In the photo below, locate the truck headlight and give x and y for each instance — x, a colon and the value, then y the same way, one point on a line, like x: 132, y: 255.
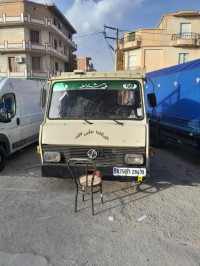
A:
x: 134, y: 159
x: 50, y: 156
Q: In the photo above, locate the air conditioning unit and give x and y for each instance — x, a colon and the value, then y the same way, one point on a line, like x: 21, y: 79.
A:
x: 18, y: 59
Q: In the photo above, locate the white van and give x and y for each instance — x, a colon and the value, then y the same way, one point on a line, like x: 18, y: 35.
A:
x: 97, y: 115
x: 20, y: 114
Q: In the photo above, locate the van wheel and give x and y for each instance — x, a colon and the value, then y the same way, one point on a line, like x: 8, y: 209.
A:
x: 2, y: 158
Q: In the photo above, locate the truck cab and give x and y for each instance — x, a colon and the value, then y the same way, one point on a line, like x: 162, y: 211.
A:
x: 96, y: 115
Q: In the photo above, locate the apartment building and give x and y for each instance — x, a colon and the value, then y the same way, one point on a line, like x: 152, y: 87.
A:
x: 175, y: 40
x: 35, y: 39
x: 85, y: 64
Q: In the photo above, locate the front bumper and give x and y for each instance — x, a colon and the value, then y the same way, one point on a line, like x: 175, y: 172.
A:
x: 61, y: 171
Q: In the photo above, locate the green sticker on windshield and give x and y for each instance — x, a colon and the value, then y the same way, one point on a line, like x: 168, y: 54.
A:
x: 97, y: 85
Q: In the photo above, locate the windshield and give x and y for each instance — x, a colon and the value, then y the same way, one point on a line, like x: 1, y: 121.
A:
x: 96, y: 100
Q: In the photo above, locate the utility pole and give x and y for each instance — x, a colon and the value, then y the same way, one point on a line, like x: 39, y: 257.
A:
x: 116, y: 42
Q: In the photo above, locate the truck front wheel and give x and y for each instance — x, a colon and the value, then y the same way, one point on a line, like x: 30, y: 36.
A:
x: 2, y: 158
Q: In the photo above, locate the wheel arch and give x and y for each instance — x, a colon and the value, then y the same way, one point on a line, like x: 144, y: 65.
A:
x: 4, y: 142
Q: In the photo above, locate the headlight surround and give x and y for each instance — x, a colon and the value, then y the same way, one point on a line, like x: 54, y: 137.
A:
x: 52, y: 157
x: 137, y: 159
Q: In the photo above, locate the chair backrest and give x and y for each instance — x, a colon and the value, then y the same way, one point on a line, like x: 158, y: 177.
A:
x: 81, y: 167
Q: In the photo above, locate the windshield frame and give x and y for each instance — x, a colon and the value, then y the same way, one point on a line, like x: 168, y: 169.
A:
x: 139, y: 118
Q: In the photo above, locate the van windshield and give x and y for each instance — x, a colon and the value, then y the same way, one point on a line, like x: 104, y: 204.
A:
x: 96, y: 100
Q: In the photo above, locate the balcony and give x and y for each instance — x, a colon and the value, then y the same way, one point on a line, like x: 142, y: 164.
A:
x: 185, y: 39
x: 28, y: 20
x: 131, y: 42
x: 27, y: 74
x: 27, y: 46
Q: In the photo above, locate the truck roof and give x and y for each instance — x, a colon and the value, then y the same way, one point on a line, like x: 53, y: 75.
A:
x: 81, y: 75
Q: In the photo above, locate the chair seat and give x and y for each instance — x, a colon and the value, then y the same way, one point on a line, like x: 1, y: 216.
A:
x: 82, y: 180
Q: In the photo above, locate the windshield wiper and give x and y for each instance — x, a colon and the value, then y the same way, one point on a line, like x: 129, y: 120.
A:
x: 119, y: 123
x: 79, y: 115
x: 90, y: 123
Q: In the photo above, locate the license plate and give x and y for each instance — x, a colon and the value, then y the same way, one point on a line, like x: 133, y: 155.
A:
x: 122, y: 171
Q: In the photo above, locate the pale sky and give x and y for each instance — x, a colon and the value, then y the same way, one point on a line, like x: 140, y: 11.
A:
x: 89, y: 16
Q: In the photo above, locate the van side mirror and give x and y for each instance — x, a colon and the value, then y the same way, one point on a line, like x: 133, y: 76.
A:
x: 151, y: 99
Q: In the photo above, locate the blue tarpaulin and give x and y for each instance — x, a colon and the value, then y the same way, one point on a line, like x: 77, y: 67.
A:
x: 177, y: 90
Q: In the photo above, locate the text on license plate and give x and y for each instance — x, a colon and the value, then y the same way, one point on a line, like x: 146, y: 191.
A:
x: 122, y: 171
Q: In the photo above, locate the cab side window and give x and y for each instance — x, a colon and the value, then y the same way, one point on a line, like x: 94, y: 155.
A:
x: 7, y: 102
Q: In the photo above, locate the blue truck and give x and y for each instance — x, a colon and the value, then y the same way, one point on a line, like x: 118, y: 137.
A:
x: 176, y: 117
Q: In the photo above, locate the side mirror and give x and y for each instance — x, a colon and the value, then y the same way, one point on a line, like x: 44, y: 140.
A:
x: 151, y: 99
x: 5, y: 117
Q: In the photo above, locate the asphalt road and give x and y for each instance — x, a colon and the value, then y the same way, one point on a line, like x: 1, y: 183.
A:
x: 152, y: 223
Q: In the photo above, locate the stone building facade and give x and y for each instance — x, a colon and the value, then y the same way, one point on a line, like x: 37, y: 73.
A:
x: 35, y: 39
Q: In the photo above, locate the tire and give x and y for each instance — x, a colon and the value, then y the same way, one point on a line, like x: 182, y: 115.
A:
x: 3, y: 158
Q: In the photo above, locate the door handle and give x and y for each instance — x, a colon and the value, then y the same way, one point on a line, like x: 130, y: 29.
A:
x: 18, y: 121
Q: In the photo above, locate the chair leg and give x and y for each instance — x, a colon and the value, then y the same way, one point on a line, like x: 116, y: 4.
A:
x: 101, y: 194
x: 83, y: 191
x: 76, y: 199
x: 92, y: 201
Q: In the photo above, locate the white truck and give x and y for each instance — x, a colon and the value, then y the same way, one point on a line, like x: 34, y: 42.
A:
x: 21, y: 113
x: 97, y: 115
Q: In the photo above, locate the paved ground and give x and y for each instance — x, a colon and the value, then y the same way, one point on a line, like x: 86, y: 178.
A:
x: 38, y: 226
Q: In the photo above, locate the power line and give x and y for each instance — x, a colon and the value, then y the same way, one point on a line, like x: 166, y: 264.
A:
x: 97, y: 49
x: 88, y: 35
x: 110, y: 51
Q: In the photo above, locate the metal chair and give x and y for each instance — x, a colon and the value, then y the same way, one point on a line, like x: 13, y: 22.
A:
x: 87, y: 182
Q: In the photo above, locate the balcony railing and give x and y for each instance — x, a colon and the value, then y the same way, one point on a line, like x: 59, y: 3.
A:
x: 132, y: 38
x: 22, y: 18
x: 27, y: 74
x: 189, y: 39
x: 186, y: 35
x: 27, y: 45
x: 131, y: 42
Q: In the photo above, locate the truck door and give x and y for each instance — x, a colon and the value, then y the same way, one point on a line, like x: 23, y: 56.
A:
x: 10, y: 129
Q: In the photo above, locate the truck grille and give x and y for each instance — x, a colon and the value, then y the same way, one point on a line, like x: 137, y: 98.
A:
x: 106, y: 155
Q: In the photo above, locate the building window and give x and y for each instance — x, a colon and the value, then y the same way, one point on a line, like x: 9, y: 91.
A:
x: 54, y: 21
x: 59, y: 25
x: 36, y: 63
x: 55, y: 44
x: 35, y: 36
x: 183, y: 58
x: 49, y: 37
x: 132, y: 62
x: 132, y: 36
x: 56, y: 66
x: 13, y: 66
x: 60, y: 43
x: 185, y: 30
